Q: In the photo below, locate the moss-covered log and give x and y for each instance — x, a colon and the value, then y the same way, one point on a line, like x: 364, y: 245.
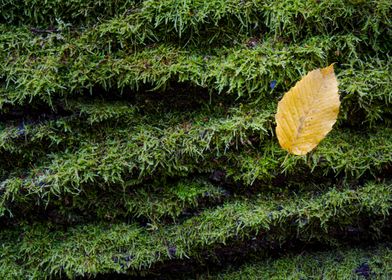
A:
x: 137, y: 137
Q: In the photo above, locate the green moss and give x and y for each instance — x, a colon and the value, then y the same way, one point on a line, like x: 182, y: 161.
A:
x: 136, y: 135
x: 45, y: 249
x: 53, y: 12
x: 238, y: 71
x: 344, y: 263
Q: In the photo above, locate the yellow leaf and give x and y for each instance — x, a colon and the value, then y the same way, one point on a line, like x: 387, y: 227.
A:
x: 308, y: 111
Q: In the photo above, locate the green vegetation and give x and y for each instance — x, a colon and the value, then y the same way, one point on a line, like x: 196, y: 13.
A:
x: 374, y: 263
x: 138, y: 136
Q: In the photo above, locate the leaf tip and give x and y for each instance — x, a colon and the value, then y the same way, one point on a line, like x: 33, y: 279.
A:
x: 328, y: 70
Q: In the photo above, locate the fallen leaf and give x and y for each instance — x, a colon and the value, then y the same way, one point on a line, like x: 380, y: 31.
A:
x: 308, y: 111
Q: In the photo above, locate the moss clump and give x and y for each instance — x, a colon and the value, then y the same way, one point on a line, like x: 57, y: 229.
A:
x: 346, y: 263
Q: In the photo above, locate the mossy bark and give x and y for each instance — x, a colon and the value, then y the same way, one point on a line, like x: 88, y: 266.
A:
x: 137, y: 140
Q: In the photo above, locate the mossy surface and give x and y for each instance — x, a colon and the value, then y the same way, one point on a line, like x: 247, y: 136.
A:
x: 345, y: 263
x: 137, y: 138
